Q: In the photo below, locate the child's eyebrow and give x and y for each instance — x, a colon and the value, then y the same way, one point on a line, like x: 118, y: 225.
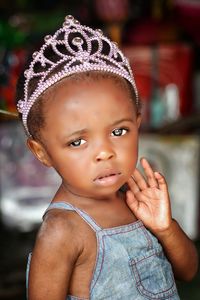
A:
x: 77, y: 132
x: 122, y: 120
x: 84, y: 130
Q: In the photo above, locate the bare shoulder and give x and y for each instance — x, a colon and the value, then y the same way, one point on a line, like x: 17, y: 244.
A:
x: 59, y: 231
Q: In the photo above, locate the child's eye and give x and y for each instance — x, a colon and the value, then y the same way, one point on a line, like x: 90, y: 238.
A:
x: 119, y: 131
x: 77, y: 143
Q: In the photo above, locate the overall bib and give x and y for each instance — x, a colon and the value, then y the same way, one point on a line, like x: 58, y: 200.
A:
x: 130, y: 263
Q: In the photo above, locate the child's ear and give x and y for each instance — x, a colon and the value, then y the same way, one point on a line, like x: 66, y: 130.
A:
x: 39, y: 151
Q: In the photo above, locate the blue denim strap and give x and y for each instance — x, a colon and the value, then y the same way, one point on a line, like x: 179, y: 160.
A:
x: 65, y: 205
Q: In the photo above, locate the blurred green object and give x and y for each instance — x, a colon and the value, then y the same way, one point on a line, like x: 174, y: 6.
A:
x: 20, y: 30
x: 46, y: 22
x: 11, y: 37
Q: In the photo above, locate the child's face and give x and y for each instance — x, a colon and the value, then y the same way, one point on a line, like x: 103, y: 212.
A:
x: 91, y: 136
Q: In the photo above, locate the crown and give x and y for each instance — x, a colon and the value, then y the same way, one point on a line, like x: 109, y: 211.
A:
x: 76, y: 48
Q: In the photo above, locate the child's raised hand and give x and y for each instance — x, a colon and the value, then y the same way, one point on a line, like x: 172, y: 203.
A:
x: 148, y: 198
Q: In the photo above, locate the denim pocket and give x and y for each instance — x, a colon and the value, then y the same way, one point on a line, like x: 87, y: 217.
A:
x: 153, y: 275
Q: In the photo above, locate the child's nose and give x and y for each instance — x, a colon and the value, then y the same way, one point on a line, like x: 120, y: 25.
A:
x: 104, y: 153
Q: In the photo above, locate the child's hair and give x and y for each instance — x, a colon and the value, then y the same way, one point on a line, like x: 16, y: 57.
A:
x: 76, y: 52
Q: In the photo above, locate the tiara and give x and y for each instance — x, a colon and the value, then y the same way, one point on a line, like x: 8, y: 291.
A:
x: 76, y: 48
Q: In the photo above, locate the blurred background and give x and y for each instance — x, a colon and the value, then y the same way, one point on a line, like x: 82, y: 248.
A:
x: 161, y: 38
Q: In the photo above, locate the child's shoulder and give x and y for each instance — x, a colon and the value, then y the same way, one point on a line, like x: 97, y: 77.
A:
x: 59, y: 230
x: 58, y: 218
x: 60, y: 223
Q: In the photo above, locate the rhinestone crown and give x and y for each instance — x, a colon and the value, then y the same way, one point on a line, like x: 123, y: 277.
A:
x: 76, y: 48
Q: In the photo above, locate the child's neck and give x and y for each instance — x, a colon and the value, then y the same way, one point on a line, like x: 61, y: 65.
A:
x: 66, y: 195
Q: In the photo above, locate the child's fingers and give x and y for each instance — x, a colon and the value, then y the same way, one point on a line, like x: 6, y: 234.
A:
x: 139, y: 179
x: 133, y: 186
x: 162, y: 184
x: 132, y: 202
x: 152, y: 181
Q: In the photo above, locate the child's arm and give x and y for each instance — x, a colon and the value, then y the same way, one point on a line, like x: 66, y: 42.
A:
x: 149, y: 200
x: 53, y: 258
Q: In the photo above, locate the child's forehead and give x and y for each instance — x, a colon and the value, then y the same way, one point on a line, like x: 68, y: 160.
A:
x: 92, y: 105
x: 89, y: 78
x: 87, y: 90
x: 86, y: 106
x: 78, y: 86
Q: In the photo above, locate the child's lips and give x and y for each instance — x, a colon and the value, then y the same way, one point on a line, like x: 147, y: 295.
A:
x: 107, y: 177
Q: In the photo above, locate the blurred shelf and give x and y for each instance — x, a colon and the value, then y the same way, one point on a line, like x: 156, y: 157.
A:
x: 8, y: 116
x: 190, y: 124
x: 184, y: 125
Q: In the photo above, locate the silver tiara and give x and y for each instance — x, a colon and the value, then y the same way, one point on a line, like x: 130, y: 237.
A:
x: 76, y: 48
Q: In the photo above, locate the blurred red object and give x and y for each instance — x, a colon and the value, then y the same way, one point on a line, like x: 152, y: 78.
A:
x: 173, y: 66
x: 188, y: 15
x: 16, y: 60
x: 149, y: 32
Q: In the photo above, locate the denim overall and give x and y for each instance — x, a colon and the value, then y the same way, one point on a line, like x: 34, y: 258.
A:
x: 130, y: 263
